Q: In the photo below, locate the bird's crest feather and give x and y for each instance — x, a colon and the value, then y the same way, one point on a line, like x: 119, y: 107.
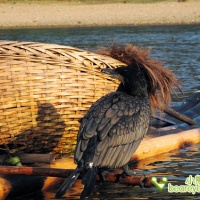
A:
x: 161, y: 80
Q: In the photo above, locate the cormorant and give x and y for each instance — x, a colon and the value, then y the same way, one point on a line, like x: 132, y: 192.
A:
x: 114, y: 126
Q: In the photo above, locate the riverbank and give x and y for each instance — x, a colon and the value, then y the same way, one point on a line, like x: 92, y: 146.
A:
x: 60, y: 14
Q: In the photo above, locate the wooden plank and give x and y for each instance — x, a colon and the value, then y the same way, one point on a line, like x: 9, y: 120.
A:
x: 189, y: 103
x: 193, y: 112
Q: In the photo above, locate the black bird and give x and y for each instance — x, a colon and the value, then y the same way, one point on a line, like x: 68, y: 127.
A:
x: 114, y: 126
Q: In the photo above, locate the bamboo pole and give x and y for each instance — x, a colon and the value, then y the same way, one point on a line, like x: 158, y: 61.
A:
x: 36, y: 158
x: 179, y: 116
x: 34, y: 171
x: 138, y: 180
x: 158, y: 145
x: 53, y: 172
x: 31, y: 158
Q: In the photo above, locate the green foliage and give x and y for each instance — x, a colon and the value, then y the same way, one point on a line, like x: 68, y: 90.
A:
x: 14, y: 161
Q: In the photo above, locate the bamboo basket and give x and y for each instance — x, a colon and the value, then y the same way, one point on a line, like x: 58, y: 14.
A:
x: 44, y: 90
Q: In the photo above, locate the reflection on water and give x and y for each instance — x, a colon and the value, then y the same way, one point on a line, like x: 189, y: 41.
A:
x: 176, y: 46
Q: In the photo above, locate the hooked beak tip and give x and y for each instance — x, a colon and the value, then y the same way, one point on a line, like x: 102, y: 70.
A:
x: 110, y: 72
x: 113, y: 74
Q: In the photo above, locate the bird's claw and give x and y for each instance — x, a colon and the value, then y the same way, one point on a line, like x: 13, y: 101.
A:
x: 102, y: 175
x: 142, y: 183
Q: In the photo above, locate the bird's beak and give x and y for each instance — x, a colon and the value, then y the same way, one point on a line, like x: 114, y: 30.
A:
x: 113, y: 73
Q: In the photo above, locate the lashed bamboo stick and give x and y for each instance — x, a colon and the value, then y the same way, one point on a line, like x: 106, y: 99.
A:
x: 53, y: 172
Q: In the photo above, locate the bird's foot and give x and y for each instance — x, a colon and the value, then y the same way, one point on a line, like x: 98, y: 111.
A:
x: 102, y: 174
x: 128, y: 172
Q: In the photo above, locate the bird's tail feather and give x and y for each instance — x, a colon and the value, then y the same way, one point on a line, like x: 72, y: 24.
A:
x: 68, y: 183
x: 88, y: 180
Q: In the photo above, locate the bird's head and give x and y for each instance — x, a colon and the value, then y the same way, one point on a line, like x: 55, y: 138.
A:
x: 132, y: 80
x: 143, y: 72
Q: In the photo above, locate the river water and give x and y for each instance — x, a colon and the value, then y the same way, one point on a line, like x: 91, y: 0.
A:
x: 178, y: 47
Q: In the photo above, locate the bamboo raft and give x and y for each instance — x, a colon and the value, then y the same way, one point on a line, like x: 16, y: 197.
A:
x: 45, y: 89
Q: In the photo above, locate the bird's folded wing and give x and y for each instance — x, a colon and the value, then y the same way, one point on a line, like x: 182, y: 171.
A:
x: 116, y: 121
